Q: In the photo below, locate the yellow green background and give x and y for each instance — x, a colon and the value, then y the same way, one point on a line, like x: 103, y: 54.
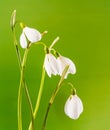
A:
x: 84, y: 30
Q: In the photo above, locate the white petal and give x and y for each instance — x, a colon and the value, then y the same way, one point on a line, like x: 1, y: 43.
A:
x: 80, y: 105
x: 72, y: 68
x: 73, y: 107
x: 53, y: 64
x: 63, y: 62
x: 32, y: 34
x: 23, y: 41
x: 47, y: 66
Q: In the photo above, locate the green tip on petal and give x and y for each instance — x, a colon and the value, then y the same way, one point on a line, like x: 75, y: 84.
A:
x: 13, y: 19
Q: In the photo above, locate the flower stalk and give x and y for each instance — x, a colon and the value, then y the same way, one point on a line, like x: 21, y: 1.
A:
x: 12, y: 24
x: 25, y: 85
x: 21, y: 85
x: 39, y: 96
x: 54, y: 95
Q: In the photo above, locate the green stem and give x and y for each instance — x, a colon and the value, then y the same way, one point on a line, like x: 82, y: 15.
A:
x: 54, y: 42
x: 53, y: 96
x: 30, y: 105
x: 16, y: 47
x: 25, y: 85
x: 40, y: 92
x: 39, y: 96
x: 21, y: 89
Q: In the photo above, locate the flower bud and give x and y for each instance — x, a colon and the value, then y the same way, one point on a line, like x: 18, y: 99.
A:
x: 13, y: 19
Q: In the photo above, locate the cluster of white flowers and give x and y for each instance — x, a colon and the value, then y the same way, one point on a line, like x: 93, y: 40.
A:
x: 55, y: 66
x: 52, y: 64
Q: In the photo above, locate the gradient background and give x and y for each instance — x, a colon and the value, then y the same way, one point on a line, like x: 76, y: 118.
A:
x: 84, y: 30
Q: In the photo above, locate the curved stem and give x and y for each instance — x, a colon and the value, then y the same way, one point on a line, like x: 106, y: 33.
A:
x: 39, y: 96
x: 73, y: 90
x: 25, y: 85
x: 53, y: 96
x: 21, y: 89
x: 30, y: 105
x: 41, y: 43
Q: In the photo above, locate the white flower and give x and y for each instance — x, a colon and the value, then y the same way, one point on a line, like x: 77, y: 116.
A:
x: 51, y: 65
x: 30, y: 34
x: 63, y: 62
x: 73, y: 107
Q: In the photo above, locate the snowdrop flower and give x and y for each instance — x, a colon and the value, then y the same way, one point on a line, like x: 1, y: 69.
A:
x: 63, y: 62
x: 73, y: 107
x: 50, y: 64
x: 29, y: 35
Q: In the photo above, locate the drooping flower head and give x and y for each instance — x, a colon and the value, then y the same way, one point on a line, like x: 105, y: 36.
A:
x: 50, y: 64
x: 29, y: 35
x: 57, y: 66
x: 63, y: 62
x: 73, y: 107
